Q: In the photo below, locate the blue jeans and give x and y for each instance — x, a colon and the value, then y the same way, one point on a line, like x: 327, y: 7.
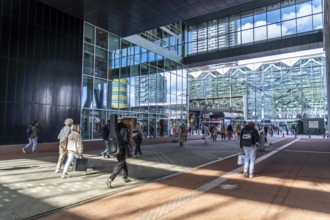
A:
x: 250, y: 156
x: 107, y: 150
x: 33, y: 142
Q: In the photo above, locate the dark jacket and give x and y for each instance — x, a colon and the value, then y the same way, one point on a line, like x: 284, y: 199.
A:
x: 255, y: 135
x: 106, y: 131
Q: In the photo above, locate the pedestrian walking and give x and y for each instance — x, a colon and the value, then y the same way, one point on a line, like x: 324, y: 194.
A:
x: 249, y: 138
x: 121, y: 158
x: 75, y: 148
x: 182, y: 134
x: 32, y: 135
x: 106, y: 133
x: 63, y: 139
x: 137, y: 137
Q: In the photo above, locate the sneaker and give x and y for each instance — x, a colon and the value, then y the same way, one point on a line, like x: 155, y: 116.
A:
x: 245, y: 174
x: 104, y: 154
x: 251, y: 176
x: 127, y: 180
x: 23, y: 149
x: 108, y: 181
x: 57, y: 170
x: 65, y: 175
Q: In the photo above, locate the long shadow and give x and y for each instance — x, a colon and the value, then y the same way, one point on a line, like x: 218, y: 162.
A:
x: 188, y: 180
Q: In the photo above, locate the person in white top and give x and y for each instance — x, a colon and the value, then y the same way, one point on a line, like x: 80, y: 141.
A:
x: 75, y: 148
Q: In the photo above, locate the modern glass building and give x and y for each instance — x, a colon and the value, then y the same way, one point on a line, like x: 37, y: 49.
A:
x: 272, y: 21
x: 281, y: 88
x: 122, y: 78
x: 87, y: 60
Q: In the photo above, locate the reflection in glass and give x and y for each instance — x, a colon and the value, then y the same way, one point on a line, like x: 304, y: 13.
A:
x: 273, y: 13
x: 102, y: 38
x: 317, y: 21
x: 274, y: 30
x: 247, y: 20
x: 247, y: 36
x: 101, y: 63
x: 88, y: 59
x: 98, y: 120
x: 304, y: 24
x: 86, y: 124
x: 289, y: 27
x: 260, y: 33
x: 114, y: 43
x: 304, y: 9
x: 89, y: 33
x: 87, y: 92
x: 259, y: 17
x: 100, y: 94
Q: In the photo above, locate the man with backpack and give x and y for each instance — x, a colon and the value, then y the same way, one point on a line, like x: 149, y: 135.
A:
x: 248, y: 140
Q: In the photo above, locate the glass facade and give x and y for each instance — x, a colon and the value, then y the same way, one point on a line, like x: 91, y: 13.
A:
x: 286, y: 89
x: 285, y: 18
x: 168, y: 37
x: 123, y: 78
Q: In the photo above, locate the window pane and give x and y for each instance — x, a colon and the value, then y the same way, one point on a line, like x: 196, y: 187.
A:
x: 87, y: 92
x: 223, y: 26
x: 288, y: 10
x: 192, y: 33
x: 89, y: 33
x: 88, y: 59
x: 234, y: 23
x: 101, y: 63
x: 247, y: 20
x: 202, y: 31
x: 235, y: 39
x: 304, y: 8
x: 100, y: 94
x: 260, y: 17
x: 99, y: 119
x: 304, y: 24
x: 247, y: 36
x: 114, y: 43
x: 212, y: 44
x: 273, y: 13
x: 101, y: 38
x: 317, y: 6
x: 317, y: 22
x: 86, y: 124
x: 260, y: 33
x: 288, y: 27
x: 274, y: 30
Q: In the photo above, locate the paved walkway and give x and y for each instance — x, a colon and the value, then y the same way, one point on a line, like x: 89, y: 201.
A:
x: 197, y: 181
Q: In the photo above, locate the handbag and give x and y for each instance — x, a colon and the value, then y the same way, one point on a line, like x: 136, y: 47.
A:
x: 240, y: 159
x: 80, y: 164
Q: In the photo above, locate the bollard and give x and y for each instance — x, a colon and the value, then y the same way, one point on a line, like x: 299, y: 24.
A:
x: 324, y: 134
x: 295, y: 135
x: 309, y: 134
x: 282, y: 134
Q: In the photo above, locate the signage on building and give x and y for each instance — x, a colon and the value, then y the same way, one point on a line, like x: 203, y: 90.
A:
x: 313, y: 124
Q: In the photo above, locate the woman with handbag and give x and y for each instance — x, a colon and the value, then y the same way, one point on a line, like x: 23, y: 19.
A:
x: 75, y: 148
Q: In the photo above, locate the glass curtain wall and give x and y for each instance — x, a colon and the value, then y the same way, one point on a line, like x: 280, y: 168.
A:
x: 285, y: 18
x: 288, y: 89
x: 123, y: 78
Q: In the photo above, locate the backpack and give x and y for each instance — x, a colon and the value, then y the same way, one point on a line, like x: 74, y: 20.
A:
x: 247, y: 137
x: 28, y: 131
